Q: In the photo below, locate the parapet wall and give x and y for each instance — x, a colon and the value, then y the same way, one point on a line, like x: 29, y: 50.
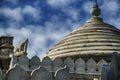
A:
x: 18, y: 73
x: 23, y: 68
x: 75, y: 66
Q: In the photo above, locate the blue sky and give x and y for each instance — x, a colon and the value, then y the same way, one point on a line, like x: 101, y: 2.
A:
x: 45, y: 22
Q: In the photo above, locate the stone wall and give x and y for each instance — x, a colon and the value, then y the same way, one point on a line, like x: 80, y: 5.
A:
x: 23, y: 68
x: 40, y: 73
x: 78, y: 66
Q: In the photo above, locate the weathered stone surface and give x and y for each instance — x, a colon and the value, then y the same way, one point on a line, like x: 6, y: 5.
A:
x: 21, y: 48
x: 69, y: 62
x: 62, y: 74
x: 41, y: 74
x: 1, y: 76
x: 24, y: 62
x: 47, y: 63
x: 57, y: 63
x: 100, y: 64
x: 34, y: 63
x: 91, y: 66
x: 92, y: 38
x: 13, y: 62
x: 80, y: 66
x: 105, y: 73
x: 17, y: 73
x: 115, y: 66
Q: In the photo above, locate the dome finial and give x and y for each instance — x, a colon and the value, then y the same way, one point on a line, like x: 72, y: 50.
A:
x: 95, y: 11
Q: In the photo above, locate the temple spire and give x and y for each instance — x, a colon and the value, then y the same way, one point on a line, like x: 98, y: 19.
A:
x: 95, y: 11
x: 96, y: 1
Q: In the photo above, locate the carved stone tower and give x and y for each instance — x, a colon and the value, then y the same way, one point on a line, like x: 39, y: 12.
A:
x: 6, y: 51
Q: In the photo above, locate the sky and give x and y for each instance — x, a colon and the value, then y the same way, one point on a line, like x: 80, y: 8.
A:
x: 46, y: 22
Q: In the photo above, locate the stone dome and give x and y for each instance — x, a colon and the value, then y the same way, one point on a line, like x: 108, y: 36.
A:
x: 94, y: 38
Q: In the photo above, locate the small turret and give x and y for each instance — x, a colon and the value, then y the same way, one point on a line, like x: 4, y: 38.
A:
x: 6, y: 51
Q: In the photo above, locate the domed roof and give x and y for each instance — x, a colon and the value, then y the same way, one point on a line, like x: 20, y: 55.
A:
x: 95, y: 37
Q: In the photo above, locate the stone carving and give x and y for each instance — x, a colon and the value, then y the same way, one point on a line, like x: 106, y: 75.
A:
x: 57, y: 63
x: 17, y: 73
x: 69, y: 63
x: 62, y: 74
x: 47, y: 63
x: 91, y: 66
x: 100, y: 64
x: 41, y: 74
x: 24, y: 62
x: 80, y: 65
x: 22, y: 47
x: 34, y: 63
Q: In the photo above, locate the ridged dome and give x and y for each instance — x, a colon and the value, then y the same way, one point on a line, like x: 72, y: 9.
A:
x: 93, y: 38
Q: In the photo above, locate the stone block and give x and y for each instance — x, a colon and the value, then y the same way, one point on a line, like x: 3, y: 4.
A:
x: 17, y: 73
x: 41, y: 74
x: 62, y: 74
x: 24, y: 62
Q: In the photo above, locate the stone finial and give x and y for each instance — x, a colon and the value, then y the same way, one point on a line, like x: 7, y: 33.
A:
x: 95, y: 11
x: 21, y: 48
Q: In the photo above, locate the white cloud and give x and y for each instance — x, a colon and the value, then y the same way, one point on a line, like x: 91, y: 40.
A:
x: 2, y: 31
x: 13, y: 1
x: 110, y: 7
x: 60, y: 3
x: 14, y: 14
x: 38, y: 36
x: 87, y: 6
x: 73, y: 13
x: 115, y: 22
x: 35, y: 13
x: 54, y: 29
x: 17, y: 14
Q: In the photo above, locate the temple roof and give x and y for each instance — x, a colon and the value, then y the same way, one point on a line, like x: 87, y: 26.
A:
x: 94, y: 37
